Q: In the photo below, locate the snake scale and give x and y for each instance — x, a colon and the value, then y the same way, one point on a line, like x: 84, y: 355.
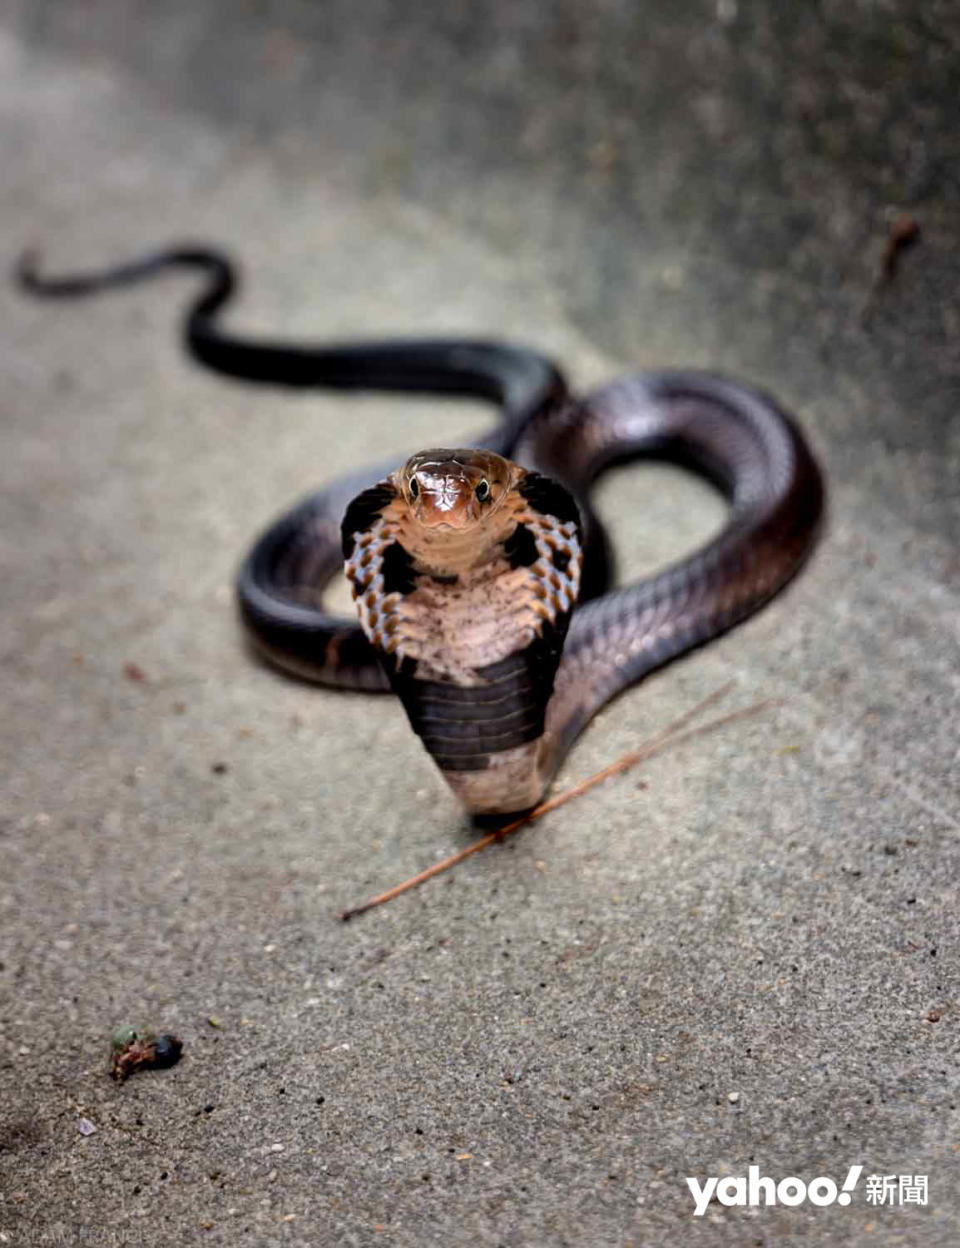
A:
x: 482, y: 576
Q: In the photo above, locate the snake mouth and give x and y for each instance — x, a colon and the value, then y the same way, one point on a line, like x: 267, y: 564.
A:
x: 443, y: 513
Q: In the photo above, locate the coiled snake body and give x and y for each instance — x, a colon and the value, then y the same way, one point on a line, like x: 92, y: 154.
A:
x: 482, y: 586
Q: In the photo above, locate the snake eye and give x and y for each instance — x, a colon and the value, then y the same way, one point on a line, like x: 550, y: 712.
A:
x: 414, y: 488
x: 482, y: 491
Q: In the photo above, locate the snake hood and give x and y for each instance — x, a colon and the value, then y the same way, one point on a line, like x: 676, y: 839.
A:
x: 465, y: 569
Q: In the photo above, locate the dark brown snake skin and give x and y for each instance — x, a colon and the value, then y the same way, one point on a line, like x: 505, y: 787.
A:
x: 499, y: 729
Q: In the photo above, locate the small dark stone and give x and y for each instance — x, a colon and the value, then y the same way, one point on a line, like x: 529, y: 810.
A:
x: 167, y: 1050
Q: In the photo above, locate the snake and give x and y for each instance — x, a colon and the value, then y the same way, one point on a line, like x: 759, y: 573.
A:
x: 482, y: 576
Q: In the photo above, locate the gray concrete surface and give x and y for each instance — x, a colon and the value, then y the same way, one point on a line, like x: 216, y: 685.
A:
x: 737, y: 963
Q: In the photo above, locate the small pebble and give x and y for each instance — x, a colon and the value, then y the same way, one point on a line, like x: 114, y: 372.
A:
x: 733, y: 1097
x: 85, y: 1126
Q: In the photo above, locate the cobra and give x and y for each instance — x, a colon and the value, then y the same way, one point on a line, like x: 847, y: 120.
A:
x: 482, y: 576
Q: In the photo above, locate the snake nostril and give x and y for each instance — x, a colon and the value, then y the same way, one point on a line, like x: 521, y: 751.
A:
x: 414, y: 488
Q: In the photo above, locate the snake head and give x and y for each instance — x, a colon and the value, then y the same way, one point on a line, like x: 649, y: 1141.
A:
x: 454, y: 489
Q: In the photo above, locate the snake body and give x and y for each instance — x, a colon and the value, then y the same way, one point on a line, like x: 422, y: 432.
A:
x: 494, y: 621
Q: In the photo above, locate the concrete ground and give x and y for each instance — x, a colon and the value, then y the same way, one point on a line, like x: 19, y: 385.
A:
x: 747, y: 952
